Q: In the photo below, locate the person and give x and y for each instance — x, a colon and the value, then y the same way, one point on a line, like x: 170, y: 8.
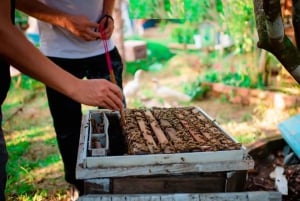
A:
x: 16, y: 50
x: 72, y: 35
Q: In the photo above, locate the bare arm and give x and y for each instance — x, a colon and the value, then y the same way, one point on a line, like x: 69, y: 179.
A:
x: 80, y: 26
x: 107, y: 23
x: 18, y: 51
x: 108, y: 7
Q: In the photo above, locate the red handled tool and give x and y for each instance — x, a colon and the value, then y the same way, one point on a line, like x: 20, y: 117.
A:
x: 110, y: 68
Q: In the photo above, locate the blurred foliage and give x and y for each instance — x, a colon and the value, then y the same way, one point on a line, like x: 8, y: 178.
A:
x: 156, y: 9
x: 29, y: 84
x: 183, y: 34
x: 237, y: 79
x: 22, y: 89
x: 195, y: 90
x: 21, y: 20
x: 20, y: 17
x: 234, y: 18
x: 240, y: 24
x: 197, y: 11
x: 157, y: 55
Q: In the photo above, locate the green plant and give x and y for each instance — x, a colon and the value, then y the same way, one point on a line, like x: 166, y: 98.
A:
x: 157, y: 55
x: 195, y: 90
x: 183, y: 34
x: 21, y: 19
x: 240, y: 24
x: 246, y: 138
x: 242, y: 80
x: 237, y: 79
x: 156, y: 9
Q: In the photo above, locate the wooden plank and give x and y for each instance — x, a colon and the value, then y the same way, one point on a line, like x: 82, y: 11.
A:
x: 169, y: 169
x: 163, y: 159
x: 194, y: 183
x: 149, y: 139
x: 169, y: 184
x: 157, y: 130
x: 236, y: 181
x: 236, y: 196
x: 83, y: 141
x: 97, y: 186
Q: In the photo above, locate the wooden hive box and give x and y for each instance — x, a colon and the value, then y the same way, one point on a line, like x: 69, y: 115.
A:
x: 179, y: 172
x: 135, y: 49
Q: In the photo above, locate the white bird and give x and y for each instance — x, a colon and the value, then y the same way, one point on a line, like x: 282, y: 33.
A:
x: 170, y: 95
x: 132, y: 87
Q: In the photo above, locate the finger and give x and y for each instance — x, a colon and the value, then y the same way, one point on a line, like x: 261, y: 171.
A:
x: 92, y: 32
x: 117, y: 91
x: 94, y: 35
x: 113, y: 102
x: 117, y: 98
x: 93, y: 25
x: 89, y: 37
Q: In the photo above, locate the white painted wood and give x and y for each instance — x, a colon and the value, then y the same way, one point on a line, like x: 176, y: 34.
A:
x: 102, y: 137
x: 234, y: 196
x: 104, y: 198
x: 162, y: 159
x: 82, y: 148
x: 167, y: 169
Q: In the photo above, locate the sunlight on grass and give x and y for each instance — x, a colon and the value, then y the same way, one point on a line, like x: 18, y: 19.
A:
x: 34, y: 160
x: 34, y: 134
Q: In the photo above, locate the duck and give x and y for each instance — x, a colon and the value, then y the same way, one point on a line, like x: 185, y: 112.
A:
x: 171, y: 96
x: 132, y: 87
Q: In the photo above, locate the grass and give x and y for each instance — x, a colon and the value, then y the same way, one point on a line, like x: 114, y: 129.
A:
x: 34, y: 168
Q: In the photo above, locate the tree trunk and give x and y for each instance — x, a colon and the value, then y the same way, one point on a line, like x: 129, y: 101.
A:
x: 272, y: 38
x: 262, y: 66
x: 118, y: 35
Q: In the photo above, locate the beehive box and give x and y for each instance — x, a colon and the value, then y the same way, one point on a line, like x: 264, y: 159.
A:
x: 135, y: 50
x: 163, y: 150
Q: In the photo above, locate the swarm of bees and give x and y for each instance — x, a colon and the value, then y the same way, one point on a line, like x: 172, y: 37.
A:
x: 173, y: 130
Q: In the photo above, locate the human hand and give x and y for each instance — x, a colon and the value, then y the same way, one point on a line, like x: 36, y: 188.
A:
x: 81, y: 27
x: 106, y: 26
x: 98, y: 92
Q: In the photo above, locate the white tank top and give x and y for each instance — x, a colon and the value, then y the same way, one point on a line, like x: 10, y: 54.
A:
x: 58, y: 42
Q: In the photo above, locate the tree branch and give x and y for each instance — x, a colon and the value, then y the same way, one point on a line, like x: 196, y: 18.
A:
x: 272, y: 38
x: 296, y: 20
